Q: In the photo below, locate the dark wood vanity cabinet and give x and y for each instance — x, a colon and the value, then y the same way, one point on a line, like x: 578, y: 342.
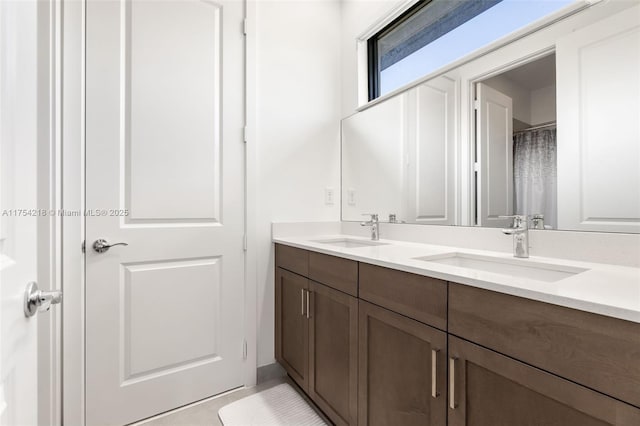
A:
x: 402, y: 370
x: 598, y: 352
x: 378, y: 346
x: 317, y: 335
x: 422, y: 298
x: 490, y: 389
x: 333, y: 353
x: 335, y: 272
x: 292, y: 326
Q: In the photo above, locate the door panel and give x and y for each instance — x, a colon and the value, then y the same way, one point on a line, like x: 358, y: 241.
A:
x: 333, y: 353
x: 164, y: 314
x: 490, y: 389
x: 146, y: 351
x: 396, y: 367
x: 599, y: 102
x: 18, y: 196
x: 495, y: 156
x: 292, y: 326
x: 174, y: 112
x: 431, y: 186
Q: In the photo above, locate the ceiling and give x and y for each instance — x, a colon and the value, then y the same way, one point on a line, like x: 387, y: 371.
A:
x: 534, y: 75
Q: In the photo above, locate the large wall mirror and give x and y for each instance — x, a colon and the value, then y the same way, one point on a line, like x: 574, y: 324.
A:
x: 546, y: 126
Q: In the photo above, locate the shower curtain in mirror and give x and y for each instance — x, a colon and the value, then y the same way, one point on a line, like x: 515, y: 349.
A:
x: 534, y: 172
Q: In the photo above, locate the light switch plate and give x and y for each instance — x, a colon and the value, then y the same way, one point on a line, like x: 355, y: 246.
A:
x: 351, y: 197
x: 329, y: 196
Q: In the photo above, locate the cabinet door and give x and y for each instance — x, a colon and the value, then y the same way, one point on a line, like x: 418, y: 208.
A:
x: 333, y: 353
x: 292, y: 326
x: 489, y: 389
x: 402, y: 371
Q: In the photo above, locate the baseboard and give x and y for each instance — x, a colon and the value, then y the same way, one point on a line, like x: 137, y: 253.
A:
x: 270, y: 372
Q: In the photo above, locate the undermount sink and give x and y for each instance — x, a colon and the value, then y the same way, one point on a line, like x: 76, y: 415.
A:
x: 512, y: 267
x: 350, y: 243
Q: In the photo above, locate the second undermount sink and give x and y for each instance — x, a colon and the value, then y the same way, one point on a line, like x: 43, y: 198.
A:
x: 524, y: 268
x: 350, y: 242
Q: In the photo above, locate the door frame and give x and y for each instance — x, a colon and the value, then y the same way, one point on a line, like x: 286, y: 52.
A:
x: 49, y: 271
x: 48, y: 337
x: 71, y: 19
x: 472, y: 145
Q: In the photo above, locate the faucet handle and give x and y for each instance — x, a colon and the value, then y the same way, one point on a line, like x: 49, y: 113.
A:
x: 537, y: 220
x: 518, y: 219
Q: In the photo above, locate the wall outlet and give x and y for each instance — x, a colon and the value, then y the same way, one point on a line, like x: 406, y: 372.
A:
x: 329, y: 196
x: 351, y: 197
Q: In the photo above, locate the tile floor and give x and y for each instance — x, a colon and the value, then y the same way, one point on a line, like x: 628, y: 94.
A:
x: 205, y: 413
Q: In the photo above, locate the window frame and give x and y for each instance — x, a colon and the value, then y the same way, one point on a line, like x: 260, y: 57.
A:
x: 363, y: 101
x: 373, y: 72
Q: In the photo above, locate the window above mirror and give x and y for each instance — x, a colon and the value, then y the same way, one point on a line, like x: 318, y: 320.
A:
x: 434, y: 33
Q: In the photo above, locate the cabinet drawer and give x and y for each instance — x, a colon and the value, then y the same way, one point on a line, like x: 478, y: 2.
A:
x: 335, y: 272
x: 488, y: 389
x: 596, y: 351
x: 421, y: 298
x: 292, y: 259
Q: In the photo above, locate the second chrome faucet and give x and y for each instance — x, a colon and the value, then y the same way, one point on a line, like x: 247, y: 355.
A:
x: 373, y: 222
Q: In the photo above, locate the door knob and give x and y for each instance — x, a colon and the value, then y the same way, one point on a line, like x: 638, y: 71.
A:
x: 101, y: 245
x: 36, y: 300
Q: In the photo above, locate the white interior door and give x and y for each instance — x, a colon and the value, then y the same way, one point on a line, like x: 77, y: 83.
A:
x: 494, y: 145
x: 18, y: 177
x: 598, y: 71
x: 431, y: 159
x: 164, y: 174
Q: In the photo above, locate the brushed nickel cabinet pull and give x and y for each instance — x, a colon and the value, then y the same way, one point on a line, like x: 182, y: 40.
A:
x: 308, y: 293
x: 452, y: 383
x: 434, y: 372
x: 302, y: 301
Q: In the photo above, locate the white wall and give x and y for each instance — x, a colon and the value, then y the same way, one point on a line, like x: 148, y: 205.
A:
x: 358, y: 16
x: 543, y: 105
x: 531, y: 106
x: 297, y: 129
x: 520, y: 96
x: 372, y: 161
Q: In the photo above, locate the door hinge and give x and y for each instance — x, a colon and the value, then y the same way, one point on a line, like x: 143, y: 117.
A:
x: 244, y: 242
x: 476, y: 104
x: 244, y: 349
x: 245, y: 27
x: 244, y: 134
x: 83, y: 246
x: 476, y: 167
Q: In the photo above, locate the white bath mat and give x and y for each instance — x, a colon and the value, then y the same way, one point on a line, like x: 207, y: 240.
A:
x: 277, y: 406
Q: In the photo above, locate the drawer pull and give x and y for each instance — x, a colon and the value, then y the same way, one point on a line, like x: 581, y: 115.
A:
x: 308, y: 293
x: 434, y: 372
x: 452, y: 383
x: 302, y: 301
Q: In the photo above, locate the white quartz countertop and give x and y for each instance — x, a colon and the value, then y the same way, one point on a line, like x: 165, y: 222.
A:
x: 604, y: 289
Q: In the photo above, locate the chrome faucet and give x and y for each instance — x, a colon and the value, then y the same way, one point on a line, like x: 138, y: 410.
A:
x: 537, y: 221
x: 520, y: 232
x: 373, y: 222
